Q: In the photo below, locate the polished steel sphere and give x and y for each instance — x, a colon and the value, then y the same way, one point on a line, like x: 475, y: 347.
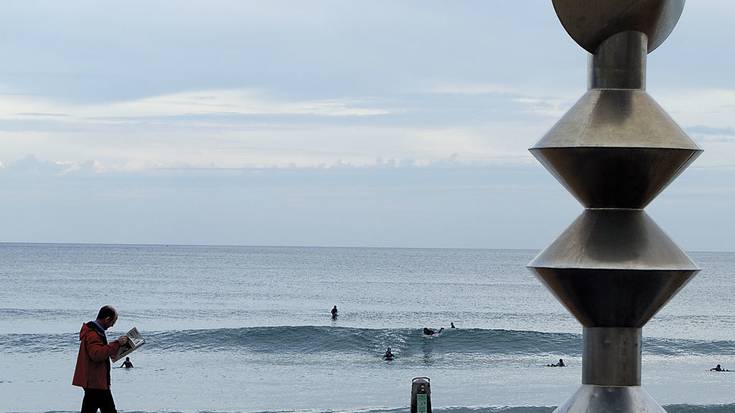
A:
x: 590, y: 22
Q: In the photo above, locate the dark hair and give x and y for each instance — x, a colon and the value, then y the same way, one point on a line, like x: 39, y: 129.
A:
x: 106, y: 311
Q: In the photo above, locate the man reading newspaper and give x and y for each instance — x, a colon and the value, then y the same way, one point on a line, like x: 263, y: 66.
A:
x: 92, y: 372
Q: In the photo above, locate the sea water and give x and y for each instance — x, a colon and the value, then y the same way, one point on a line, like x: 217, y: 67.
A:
x: 248, y: 329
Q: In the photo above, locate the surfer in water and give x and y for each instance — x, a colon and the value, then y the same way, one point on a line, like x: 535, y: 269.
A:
x: 451, y: 325
x: 430, y: 331
x: 388, y: 355
x: 127, y: 363
x: 334, y: 312
x: 718, y: 368
x: 559, y: 364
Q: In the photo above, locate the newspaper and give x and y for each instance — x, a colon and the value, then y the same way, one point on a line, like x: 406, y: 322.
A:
x: 135, y: 340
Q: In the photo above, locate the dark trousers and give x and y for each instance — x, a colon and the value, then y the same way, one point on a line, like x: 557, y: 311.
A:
x: 98, y: 399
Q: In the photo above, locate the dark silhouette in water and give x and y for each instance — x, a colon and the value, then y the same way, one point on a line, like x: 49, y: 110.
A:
x: 430, y: 331
x: 451, y: 325
x: 718, y: 368
x: 388, y: 355
x: 127, y: 363
x: 559, y: 364
x: 334, y: 312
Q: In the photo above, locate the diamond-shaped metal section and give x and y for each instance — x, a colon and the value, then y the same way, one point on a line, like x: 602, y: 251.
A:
x: 615, y: 148
x: 613, y: 268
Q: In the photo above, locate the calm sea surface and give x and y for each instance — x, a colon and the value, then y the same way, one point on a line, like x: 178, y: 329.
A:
x: 248, y: 329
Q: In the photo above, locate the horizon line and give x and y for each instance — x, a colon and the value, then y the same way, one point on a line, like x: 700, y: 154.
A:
x: 174, y: 244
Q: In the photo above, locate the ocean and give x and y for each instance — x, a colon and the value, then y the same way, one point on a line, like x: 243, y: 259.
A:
x: 248, y: 329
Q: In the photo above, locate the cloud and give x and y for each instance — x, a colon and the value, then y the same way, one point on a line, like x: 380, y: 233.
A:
x: 710, y: 134
x: 239, y: 128
x: 535, y: 101
x: 198, y: 103
x: 473, y: 89
x: 32, y: 167
x: 249, y: 128
x: 238, y: 84
x: 710, y: 107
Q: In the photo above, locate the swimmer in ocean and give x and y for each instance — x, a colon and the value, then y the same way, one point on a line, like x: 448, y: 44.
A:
x: 334, y: 312
x: 430, y: 331
x: 127, y: 363
x: 388, y: 355
x: 718, y: 368
x: 559, y: 364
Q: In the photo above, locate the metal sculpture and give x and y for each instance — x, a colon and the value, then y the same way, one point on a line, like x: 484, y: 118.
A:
x: 615, y: 150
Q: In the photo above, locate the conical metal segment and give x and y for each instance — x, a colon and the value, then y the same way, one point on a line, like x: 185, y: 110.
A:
x: 617, y: 399
x: 613, y: 267
x: 615, y: 148
x: 607, y: 298
x: 618, y: 118
x: 589, y: 22
x: 615, y: 177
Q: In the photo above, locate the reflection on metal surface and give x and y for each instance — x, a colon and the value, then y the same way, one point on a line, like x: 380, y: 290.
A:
x: 613, y: 239
x: 616, y: 118
x: 613, y: 267
x: 615, y: 150
x: 620, y: 62
x: 612, y: 356
x: 609, y: 399
x: 590, y: 22
x: 615, y: 177
x: 626, y: 298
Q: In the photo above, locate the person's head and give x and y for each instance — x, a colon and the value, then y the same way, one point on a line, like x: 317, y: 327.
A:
x: 718, y: 366
x: 107, y: 316
x: 561, y: 361
x: 389, y: 349
x: 127, y: 358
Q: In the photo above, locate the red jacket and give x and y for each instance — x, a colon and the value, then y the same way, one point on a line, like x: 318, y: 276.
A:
x: 93, y: 360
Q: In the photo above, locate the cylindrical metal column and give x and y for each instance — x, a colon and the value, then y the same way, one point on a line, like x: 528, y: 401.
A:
x: 619, y: 62
x: 612, y: 356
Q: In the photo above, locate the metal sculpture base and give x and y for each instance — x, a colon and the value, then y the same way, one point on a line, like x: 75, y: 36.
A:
x: 610, y: 399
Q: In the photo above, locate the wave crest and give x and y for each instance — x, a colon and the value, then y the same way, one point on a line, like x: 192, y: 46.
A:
x: 406, y: 342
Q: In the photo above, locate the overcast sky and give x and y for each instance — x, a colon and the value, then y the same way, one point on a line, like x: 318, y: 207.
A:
x: 340, y: 123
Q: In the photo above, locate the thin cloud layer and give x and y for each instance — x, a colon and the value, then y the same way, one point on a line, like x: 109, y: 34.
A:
x: 153, y: 112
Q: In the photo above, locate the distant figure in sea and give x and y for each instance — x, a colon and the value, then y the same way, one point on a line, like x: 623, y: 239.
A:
x: 451, y: 325
x: 92, y: 372
x: 127, y: 363
x: 559, y: 364
x: 334, y: 312
x: 430, y: 331
x: 388, y: 355
x: 718, y: 368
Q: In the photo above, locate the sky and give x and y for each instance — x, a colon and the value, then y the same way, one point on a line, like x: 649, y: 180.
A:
x: 327, y: 123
